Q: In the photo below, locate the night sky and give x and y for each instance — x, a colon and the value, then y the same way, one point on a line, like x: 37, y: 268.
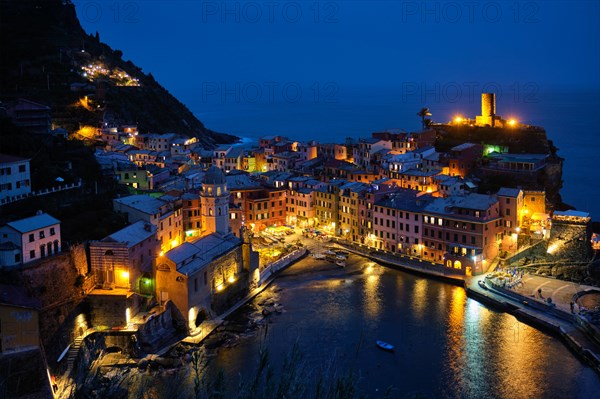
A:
x: 553, y: 44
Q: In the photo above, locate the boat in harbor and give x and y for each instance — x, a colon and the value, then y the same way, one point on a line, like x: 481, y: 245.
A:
x: 385, y: 346
x: 340, y: 262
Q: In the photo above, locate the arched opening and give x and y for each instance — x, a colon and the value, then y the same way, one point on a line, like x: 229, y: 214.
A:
x: 42, y: 250
x: 210, y: 212
x: 219, y: 211
x: 218, y: 190
x: 49, y: 248
x: 200, y: 317
x: 457, y: 264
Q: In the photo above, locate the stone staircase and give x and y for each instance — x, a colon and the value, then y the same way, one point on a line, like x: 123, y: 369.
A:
x: 72, y: 354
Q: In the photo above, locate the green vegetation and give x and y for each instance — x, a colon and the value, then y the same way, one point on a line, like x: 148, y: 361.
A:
x: 40, y: 64
x: 86, y: 212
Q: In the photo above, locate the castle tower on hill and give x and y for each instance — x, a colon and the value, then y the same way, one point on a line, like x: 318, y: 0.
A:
x: 214, y: 200
x: 488, y: 111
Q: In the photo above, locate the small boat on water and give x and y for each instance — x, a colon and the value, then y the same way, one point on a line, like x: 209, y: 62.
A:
x: 385, y: 346
x: 340, y: 263
x: 482, y: 285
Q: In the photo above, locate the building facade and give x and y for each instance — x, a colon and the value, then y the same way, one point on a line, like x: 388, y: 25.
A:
x: 15, y: 178
x: 35, y: 237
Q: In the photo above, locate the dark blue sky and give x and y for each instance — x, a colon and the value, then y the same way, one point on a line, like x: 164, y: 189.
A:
x: 364, y: 43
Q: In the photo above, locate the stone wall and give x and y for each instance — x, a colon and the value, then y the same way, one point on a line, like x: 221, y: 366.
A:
x: 569, y: 241
x: 53, y: 281
x: 80, y: 259
x: 23, y: 374
x: 110, y: 310
x: 160, y: 329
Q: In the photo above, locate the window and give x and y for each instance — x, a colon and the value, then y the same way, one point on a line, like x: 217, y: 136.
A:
x: 508, y: 212
x: 22, y: 168
x: 42, y: 234
x: 17, y: 258
x: 32, y: 254
x: 31, y: 237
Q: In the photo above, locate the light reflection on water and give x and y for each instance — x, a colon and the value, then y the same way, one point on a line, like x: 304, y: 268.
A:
x: 447, y: 345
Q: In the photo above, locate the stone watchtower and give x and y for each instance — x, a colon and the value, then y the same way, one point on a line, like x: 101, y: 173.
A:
x: 488, y: 110
x: 214, y: 201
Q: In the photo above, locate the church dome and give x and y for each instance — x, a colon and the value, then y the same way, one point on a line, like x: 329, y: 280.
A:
x: 214, y: 175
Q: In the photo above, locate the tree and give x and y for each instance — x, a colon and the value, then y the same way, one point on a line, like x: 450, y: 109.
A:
x: 424, y: 113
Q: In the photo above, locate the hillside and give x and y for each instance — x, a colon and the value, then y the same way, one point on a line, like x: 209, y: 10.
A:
x: 44, y: 50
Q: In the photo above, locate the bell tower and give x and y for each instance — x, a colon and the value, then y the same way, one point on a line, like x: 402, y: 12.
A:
x: 214, y: 201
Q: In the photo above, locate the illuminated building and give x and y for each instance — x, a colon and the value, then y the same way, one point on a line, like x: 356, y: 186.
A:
x: 461, y: 232
x: 397, y: 222
x: 300, y: 208
x: 262, y: 205
x: 461, y: 158
x: 164, y: 213
x: 121, y: 259
x: 26, y: 240
x: 511, y: 205
x: 202, y: 276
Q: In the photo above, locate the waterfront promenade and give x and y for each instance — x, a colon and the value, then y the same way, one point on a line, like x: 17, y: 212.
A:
x: 527, y: 305
x: 523, y: 300
x: 267, y: 276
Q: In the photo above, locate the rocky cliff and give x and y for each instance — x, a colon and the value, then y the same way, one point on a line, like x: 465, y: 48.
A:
x: 45, y: 53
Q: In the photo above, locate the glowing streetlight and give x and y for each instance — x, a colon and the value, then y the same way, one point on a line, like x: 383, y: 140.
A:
x: 458, y: 119
x: 512, y: 122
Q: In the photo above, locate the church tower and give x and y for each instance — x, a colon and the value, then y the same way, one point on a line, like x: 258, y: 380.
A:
x: 214, y: 200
